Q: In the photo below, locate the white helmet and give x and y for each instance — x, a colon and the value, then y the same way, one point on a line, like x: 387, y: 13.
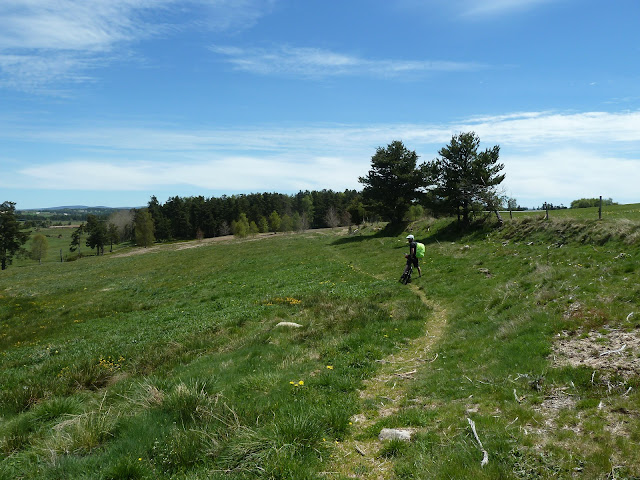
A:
x: 409, y: 237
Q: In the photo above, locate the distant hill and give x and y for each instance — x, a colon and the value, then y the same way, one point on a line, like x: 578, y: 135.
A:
x: 74, y: 208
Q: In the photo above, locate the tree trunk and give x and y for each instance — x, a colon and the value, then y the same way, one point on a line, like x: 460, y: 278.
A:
x: 500, y: 221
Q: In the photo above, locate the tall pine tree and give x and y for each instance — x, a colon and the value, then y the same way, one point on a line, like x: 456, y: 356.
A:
x: 466, y: 178
x: 12, y: 237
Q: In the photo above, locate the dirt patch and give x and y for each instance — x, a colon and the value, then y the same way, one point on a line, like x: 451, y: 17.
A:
x: 614, y: 351
x: 226, y: 238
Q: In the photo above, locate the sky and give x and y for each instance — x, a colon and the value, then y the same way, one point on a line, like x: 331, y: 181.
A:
x: 108, y: 102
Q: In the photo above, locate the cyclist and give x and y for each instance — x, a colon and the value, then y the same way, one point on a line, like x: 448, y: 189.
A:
x: 411, y: 256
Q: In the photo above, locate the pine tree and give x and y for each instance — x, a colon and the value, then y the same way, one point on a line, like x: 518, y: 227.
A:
x: 11, y: 236
x: 394, y: 181
x: 466, y: 178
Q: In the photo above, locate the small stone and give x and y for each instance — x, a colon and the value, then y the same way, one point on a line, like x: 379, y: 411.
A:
x: 289, y: 324
x: 395, y: 434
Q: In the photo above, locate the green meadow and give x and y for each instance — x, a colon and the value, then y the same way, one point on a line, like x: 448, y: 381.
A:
x: 169, y: 363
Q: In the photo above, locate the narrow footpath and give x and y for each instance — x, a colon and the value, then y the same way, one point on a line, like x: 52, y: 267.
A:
x: 354, y: 458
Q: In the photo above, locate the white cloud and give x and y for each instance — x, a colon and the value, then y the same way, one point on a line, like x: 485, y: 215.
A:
x: 44, y: 42
x: 72, y: 25
x: 227, y: 173
x: 535, y: 128
x: 523, y: 130
x: 548, y: 156
x: 473, y: 9
x: 483, y: 8
x: 315, y: 62
x: 563, y: 175
x: 40, y: 73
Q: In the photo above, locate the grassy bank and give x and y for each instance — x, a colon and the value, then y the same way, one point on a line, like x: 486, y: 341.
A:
x: 170, y: 364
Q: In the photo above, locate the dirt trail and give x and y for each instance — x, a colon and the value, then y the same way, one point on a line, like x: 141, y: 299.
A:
x: 187, y: 244
x: 358, y: 458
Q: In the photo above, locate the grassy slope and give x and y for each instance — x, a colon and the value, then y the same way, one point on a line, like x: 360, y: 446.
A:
x: 168, y: 365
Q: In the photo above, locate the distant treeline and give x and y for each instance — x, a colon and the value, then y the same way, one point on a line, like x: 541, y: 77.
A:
x: 592, y: 202
x: 182, y: 218
x: 45, y: 218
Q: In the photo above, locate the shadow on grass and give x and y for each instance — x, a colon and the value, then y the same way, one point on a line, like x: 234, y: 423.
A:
x: 452, y: 231
x: 456, y: 230
x: 390, y: 230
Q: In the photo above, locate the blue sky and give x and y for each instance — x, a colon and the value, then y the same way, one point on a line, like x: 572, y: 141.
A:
x: 108, y: 102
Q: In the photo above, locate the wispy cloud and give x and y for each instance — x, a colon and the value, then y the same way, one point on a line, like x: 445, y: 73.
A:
x: 524, y: 130
x: 45, y: 42
x: 554, y: 155
x: 483, y: 8
x: 315, y: 62
x: 226, y: 173
x: 69, y: 25
x: 474, y: 9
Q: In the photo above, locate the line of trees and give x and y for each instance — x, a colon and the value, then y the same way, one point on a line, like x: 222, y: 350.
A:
x: 182, y: 218
x: 592, y: 202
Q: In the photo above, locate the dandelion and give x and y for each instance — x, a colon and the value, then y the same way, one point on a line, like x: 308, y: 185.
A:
x: 292, y: 382
x: 139, y: 459
x: 301, y: 382
x: 329, y: 367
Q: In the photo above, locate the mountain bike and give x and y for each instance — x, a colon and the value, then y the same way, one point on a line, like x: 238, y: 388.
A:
x: 406, y: 275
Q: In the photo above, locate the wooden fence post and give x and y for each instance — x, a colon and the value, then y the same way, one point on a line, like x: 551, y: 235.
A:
x: 600, y: 209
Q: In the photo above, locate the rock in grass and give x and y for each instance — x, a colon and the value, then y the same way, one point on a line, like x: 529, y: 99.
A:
x: 395, y: 434
x: 289, y: 325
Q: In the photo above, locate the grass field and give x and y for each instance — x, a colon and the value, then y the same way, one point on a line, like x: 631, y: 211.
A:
x: 170, y: 364
x: 611, y: 212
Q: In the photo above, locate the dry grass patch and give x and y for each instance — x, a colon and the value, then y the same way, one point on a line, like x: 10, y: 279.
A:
x: 613, y: 352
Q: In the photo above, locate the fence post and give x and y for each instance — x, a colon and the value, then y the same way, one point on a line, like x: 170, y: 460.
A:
x: 600, y: 209
x: 546, y: 210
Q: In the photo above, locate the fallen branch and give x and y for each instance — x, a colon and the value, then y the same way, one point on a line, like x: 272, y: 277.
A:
x: 514, y: 421
x: 516, y: 395
x: 408, y: 375
x: 611, y: 352
x: 485, y: 455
